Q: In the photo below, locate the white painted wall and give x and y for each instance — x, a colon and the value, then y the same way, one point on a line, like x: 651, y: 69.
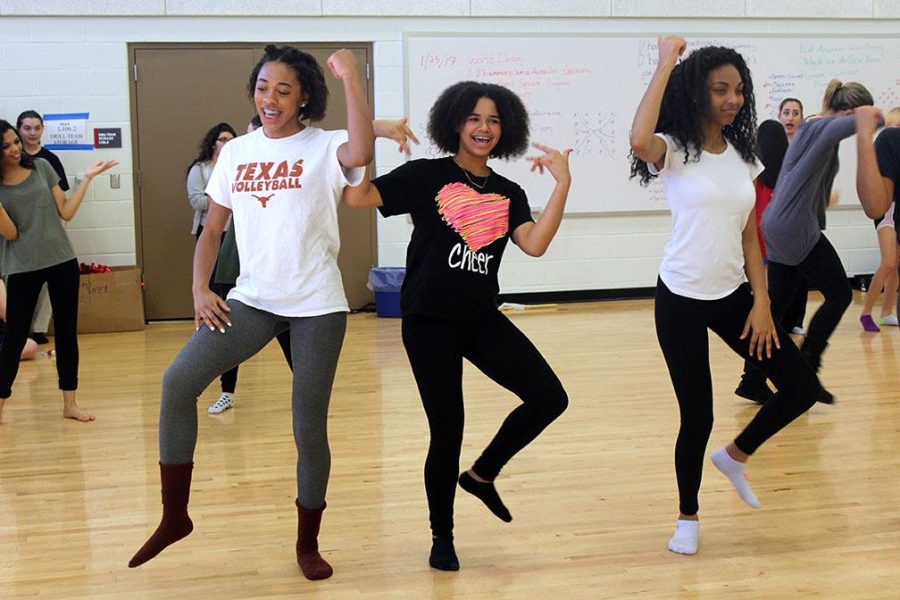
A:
x: 61, y: 56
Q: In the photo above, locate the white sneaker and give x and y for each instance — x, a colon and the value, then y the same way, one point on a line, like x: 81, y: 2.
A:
x: 224, y: 402
x: 798, y: 331
x: 889, y: 320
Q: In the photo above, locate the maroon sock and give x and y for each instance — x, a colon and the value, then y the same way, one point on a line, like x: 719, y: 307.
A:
x: 171, y: 529
x: 311, y: 562
x: 175, y: 481
x: 313, y: 565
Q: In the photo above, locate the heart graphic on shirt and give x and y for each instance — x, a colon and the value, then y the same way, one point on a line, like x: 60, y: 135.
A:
x: 478, y: 218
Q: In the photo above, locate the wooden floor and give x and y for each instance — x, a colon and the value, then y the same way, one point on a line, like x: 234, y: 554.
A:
x: 593, y: 499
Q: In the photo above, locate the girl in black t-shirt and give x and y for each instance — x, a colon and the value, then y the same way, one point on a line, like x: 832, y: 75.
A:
x: 463, y: 215
x: 30, y: 125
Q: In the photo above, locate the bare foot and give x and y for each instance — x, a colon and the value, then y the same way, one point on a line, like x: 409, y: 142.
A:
x: 71, y: 411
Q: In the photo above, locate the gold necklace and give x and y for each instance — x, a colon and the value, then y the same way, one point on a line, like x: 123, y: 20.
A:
x: 469, y: 177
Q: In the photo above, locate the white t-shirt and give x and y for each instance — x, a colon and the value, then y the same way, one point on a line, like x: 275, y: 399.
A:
x: 710, y: 200
x: 284, y: 194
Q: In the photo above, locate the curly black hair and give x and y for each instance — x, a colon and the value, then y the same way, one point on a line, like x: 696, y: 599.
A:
x: 208, y: 143
x: 686, y: 100
x: 457, y: 102
x: 772, y: 145
x: 26, y: 159
x: 309, y: 74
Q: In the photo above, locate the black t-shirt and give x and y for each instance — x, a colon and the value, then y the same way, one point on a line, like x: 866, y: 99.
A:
x: 459, y: 234
x: 887, y: 149
x: 54, y: 161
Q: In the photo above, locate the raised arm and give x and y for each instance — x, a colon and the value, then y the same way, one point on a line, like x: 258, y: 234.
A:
x: 397, y: 130
x: 809, y: 157
x: 535, y: 238
x: 645, y: 145
x: 366, y: 195
x: 870, y: 185
x: 67, y: 207
x: 359, y: 149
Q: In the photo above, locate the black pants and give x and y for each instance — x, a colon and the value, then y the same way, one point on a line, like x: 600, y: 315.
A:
x: 795, y: 314
x: 229, y: 378
x: 22, y: 293
x: 681, y: 327
x: 436, y: 349
x: 823, y: 269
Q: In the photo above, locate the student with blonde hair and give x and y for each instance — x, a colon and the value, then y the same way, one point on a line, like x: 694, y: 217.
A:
x: 791, y: 227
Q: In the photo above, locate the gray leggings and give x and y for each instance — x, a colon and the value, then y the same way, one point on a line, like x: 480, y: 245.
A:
x: 315, y: 345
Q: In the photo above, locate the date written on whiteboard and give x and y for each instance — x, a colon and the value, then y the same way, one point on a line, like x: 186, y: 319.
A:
x: 437, y: 61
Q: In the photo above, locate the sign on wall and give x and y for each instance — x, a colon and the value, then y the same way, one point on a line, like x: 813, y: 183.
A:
x: 110, y: 137
x: 67, y: 131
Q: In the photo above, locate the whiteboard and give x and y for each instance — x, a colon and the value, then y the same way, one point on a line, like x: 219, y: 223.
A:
x: 581, y: 92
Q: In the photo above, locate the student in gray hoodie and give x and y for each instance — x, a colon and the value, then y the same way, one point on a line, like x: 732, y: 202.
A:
x: 794, y: 241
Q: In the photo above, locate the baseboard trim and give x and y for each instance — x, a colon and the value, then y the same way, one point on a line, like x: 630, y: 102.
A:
x: 857, y: 282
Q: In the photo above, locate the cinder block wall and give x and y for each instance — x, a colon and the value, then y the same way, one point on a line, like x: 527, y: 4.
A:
x: 58, y: 56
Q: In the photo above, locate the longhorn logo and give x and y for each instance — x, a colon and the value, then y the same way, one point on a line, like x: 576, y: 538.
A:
x: 263, y: 199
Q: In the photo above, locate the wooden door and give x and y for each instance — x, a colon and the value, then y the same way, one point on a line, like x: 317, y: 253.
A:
x: 179, y: 92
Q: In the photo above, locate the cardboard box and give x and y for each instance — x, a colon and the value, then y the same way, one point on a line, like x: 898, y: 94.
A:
x: 111, y: 301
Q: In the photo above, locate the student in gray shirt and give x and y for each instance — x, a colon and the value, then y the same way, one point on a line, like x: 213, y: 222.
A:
x: 791, y: 228
x: 36, y: 250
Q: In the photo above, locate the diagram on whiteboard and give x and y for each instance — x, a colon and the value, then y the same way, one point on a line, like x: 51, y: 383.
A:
x: 595, y: 134
x: 581, y: 92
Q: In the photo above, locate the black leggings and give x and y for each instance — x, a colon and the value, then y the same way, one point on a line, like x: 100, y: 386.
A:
x: 681, y: 327
x: 823, y: 269
x: 21, y: 297
x: 436, y: 349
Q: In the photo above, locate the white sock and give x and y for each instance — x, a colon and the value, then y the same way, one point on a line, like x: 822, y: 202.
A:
x: 735, y: 471
x: 685, y: 538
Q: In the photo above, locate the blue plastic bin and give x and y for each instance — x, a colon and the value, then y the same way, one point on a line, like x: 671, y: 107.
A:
x: 386, y: 283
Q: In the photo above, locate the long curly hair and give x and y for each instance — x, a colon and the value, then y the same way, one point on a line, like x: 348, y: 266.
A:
x: 686, y: 100
x: 208, y: 143
x: 457, y: 102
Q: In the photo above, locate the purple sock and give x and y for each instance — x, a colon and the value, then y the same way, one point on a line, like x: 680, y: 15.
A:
x: 869, y: 324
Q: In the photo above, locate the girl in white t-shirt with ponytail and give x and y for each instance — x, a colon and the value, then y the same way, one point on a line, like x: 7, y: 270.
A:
x: 281, y: 184
x: 695, y: 129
